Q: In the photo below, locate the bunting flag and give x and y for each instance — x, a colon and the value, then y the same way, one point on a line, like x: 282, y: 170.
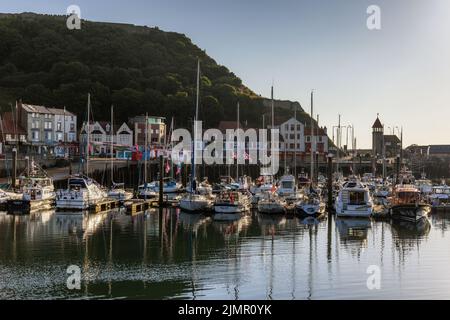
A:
x: 274, y: 188
x: 167, y: 166
x: 178, y: 172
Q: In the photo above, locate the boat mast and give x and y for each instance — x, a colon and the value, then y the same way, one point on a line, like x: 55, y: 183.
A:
x: 112, y: 144
x: 273, y: 123
x: 195, y: 128
x: 145, y: 149
x: 237, y: 145
x: 88, y: 133
x: 295, y: 141
x: 312, y: 138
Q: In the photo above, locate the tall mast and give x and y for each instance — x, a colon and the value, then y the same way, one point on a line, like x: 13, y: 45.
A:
x: 237, y: 145
x: 295, y: 141
x: 88, y: 133
x: 273, y: 123
x: 64, y: 132
x: 312, y: 137
x: 195, y: 128
x: 146, y: 149
x: 112, y: 144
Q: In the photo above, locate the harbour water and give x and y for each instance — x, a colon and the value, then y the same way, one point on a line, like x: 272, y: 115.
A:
x: 174, y: 255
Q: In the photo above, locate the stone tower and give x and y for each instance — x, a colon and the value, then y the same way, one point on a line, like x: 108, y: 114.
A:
x: 377, y: 138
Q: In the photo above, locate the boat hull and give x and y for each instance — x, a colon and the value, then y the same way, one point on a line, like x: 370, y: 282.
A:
x: 271, y: 208
x: 310, y: 210
x: 194, y: 205
x: 411, y: 212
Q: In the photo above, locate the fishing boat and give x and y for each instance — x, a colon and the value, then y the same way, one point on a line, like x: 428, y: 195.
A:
x: 272, y: 204
x: 353, y: 200
x: 408, y: 204
x: 82, y: 192
x: 231, y: 202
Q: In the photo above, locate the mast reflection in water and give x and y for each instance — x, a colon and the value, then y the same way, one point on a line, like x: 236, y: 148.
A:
x: 173, y: 255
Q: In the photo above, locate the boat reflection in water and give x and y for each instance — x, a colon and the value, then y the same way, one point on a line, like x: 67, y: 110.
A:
x: 353, y: 229
x: 405, y: 230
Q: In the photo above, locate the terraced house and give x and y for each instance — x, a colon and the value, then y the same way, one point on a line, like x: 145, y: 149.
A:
x: 48, y: 130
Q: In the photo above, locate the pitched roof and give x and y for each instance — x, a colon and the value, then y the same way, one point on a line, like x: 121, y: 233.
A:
x: 42, y: 109
x: 377, y: 124
x: 391, y: 138
x: 7, y: 125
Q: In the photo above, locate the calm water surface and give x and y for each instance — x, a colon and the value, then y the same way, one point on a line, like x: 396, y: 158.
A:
x: 173, y: 255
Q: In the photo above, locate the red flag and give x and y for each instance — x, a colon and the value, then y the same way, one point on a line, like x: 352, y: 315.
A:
x: 167, y: 167
x: 178, y: 170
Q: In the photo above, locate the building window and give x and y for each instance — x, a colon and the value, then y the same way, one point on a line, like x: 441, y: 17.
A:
x: 48, y: 125
x: 59, y: 126
x: 308, y: 138
x: 48, y: 136
x: 299, y: 127
x: 35, y: 135
x: 292, y: 136
x: 286, y: 127
x: 8, y: 137
x: 72, y: 127
x: 292, y: 127
x: 292, y: 146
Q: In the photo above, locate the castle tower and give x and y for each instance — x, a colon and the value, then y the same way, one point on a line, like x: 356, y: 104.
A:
x: 377, y: 138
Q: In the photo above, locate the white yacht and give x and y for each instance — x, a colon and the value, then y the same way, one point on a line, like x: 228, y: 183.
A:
x: 287, y: 187
x: 271, y: 204
x: 147, y: 191
x: 192, y: 202
x: 81, y: 193
x: 118, y: 192
x: 170, y: 186
x: 231, y: 202
x: 353, y: 200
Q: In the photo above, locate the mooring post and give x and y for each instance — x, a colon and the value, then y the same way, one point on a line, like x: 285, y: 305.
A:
x: 161, y: 176
x: 14, y: 168
x: 330, y: 182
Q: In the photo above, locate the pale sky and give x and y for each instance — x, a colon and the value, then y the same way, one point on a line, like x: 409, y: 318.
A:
x: 401, y: 71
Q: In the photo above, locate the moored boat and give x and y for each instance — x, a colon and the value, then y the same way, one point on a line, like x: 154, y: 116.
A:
x: 407, y: 204
x: 353, y: 200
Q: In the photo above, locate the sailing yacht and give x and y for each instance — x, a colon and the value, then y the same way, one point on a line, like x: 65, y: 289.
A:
x: 193, y: 201
x: 117, y: 190
x: 354, y: 200
x: 82, y: 192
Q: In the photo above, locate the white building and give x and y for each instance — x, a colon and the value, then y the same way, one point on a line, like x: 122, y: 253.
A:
x: 100, y: 137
